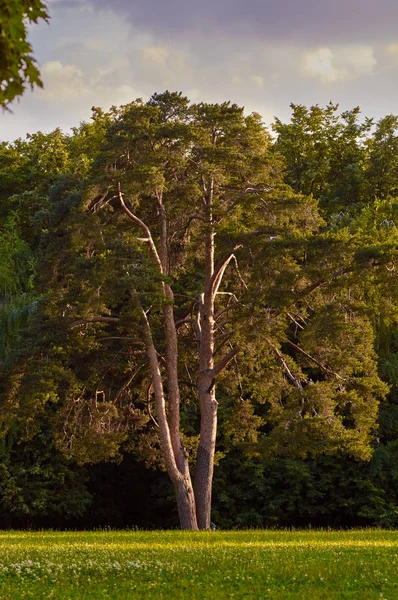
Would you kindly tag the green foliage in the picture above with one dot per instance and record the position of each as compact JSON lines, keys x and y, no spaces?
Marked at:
{"x":325,"y":154}
{"x":326,"y":491}
{"x":382,"y":166}
{"x":18,"y":68}
{"x":17,"y":271}
{"x":308,"y":405}
{"x":37,"y":482}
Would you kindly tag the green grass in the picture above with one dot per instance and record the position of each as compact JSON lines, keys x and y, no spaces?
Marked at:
{"x":308,"y":565}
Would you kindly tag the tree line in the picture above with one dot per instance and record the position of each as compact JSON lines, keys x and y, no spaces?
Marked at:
{"x":198,"y":319}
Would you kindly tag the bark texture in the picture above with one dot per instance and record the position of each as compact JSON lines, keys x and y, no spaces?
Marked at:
{"x":167,"y":410}
{"x":194,"y":502}
{"x":206,"y":381}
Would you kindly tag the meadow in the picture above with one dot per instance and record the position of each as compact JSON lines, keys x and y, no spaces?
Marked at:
{"x":355,"y":565}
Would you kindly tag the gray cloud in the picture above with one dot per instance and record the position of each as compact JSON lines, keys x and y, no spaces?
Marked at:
{"x":258,"y":53}
{"x":299,"y":21}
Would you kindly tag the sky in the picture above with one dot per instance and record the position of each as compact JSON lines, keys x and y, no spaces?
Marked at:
{"x":261,"y":54}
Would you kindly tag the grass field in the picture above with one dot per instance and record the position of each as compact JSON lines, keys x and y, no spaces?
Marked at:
{"x":355,"y":565}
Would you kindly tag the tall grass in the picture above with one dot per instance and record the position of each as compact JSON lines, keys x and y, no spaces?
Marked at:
{"x":355,"y":565}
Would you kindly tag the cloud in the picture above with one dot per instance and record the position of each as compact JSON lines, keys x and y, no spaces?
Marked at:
{"x":165,"y":65}
{"x":258,"y":80}
{"x":156,"y":54}
{"x":319,"y":63}
{"x":67,"y":83}
{"x":392,"y":49}
{"x":261,"y":54}
{"x":61,"y":82}
{"x":303,"y":21}
{"x":358,"y":60}
{"x":342,"y":64}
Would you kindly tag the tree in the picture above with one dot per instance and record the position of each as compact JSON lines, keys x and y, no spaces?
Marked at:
{"x":164,"y":154}
{"x":171,"y":180}
{"x":179,"y":274}
{"x":17,"y":66}
{"x":325,"y":154}
{"x":382,"y":166}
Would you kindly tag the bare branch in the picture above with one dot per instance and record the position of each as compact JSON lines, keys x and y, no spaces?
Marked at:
{"x":194,"y":218}
{"x":273,"y":232}
{"x":220,"y":366}
{"x":239,"y":273}
{"x":143,"y":226}
{"x":191,"y":383}
{"x":95,"y":320}
{"x":321,"y":282}
{"x":128,"y":382}
{"x":194,"y":323}
{"x":224,"y":310}
{"x":314,"y":286}
{"x":257,"y":189}
{"x":108,"y":368}
{"x":117,"y":337}
{"x":314,"y":360}
{"x":218,"y":274}
{"x":183,"y":321}
{"x":194,"y":300}
{"x":292,"y":417}
{"x":164,"y":242}
{"x":148,"y":404}
{"x":222,"y":336}
{"x":102,"y":202}
{"x":228,"y":294}
{"x":222,"y":339}
{"x":294,"y":321}
{"x":295,"y":380}
{"x":187,"y":225}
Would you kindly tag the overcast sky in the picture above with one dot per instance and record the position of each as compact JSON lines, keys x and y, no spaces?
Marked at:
{"x":262,"y":54}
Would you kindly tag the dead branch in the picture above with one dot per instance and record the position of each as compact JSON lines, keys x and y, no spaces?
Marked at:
{"x":221,"y":364}
{"x":190,"y":321}
{"x":295,"y":380}
{"x":316,"y":285}
{"x":227,"y":294}
{"x":129,"y":381}
{"x":324,"y":368}
{"x":224,"y":310}
{"x":222,"y":339}
{"x":243,"y":282}
{"x":148,"y":403}
{"x":189,"y":221}
{"x":143,"y":226}
{"x":218,"y":274}
{"x":294,"y":321}
{"x":183,"y":321}
{"x":102,"y":202}
{"x":99,"y":319}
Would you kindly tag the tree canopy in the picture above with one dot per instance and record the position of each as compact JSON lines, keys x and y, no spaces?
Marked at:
{"x":180,"y":287}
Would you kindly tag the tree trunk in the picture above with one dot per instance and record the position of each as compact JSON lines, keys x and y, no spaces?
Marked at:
{"x":181,"y":480}
{"x":205,"y":456}
{"x":194,"y":504}
{"x":183,"y":489}
{"x":185,"y":503}
{"x":206,"y":381}
{"x":208,"y":414}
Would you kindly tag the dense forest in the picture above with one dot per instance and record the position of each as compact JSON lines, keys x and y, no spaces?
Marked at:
{"x":168,"y":259}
